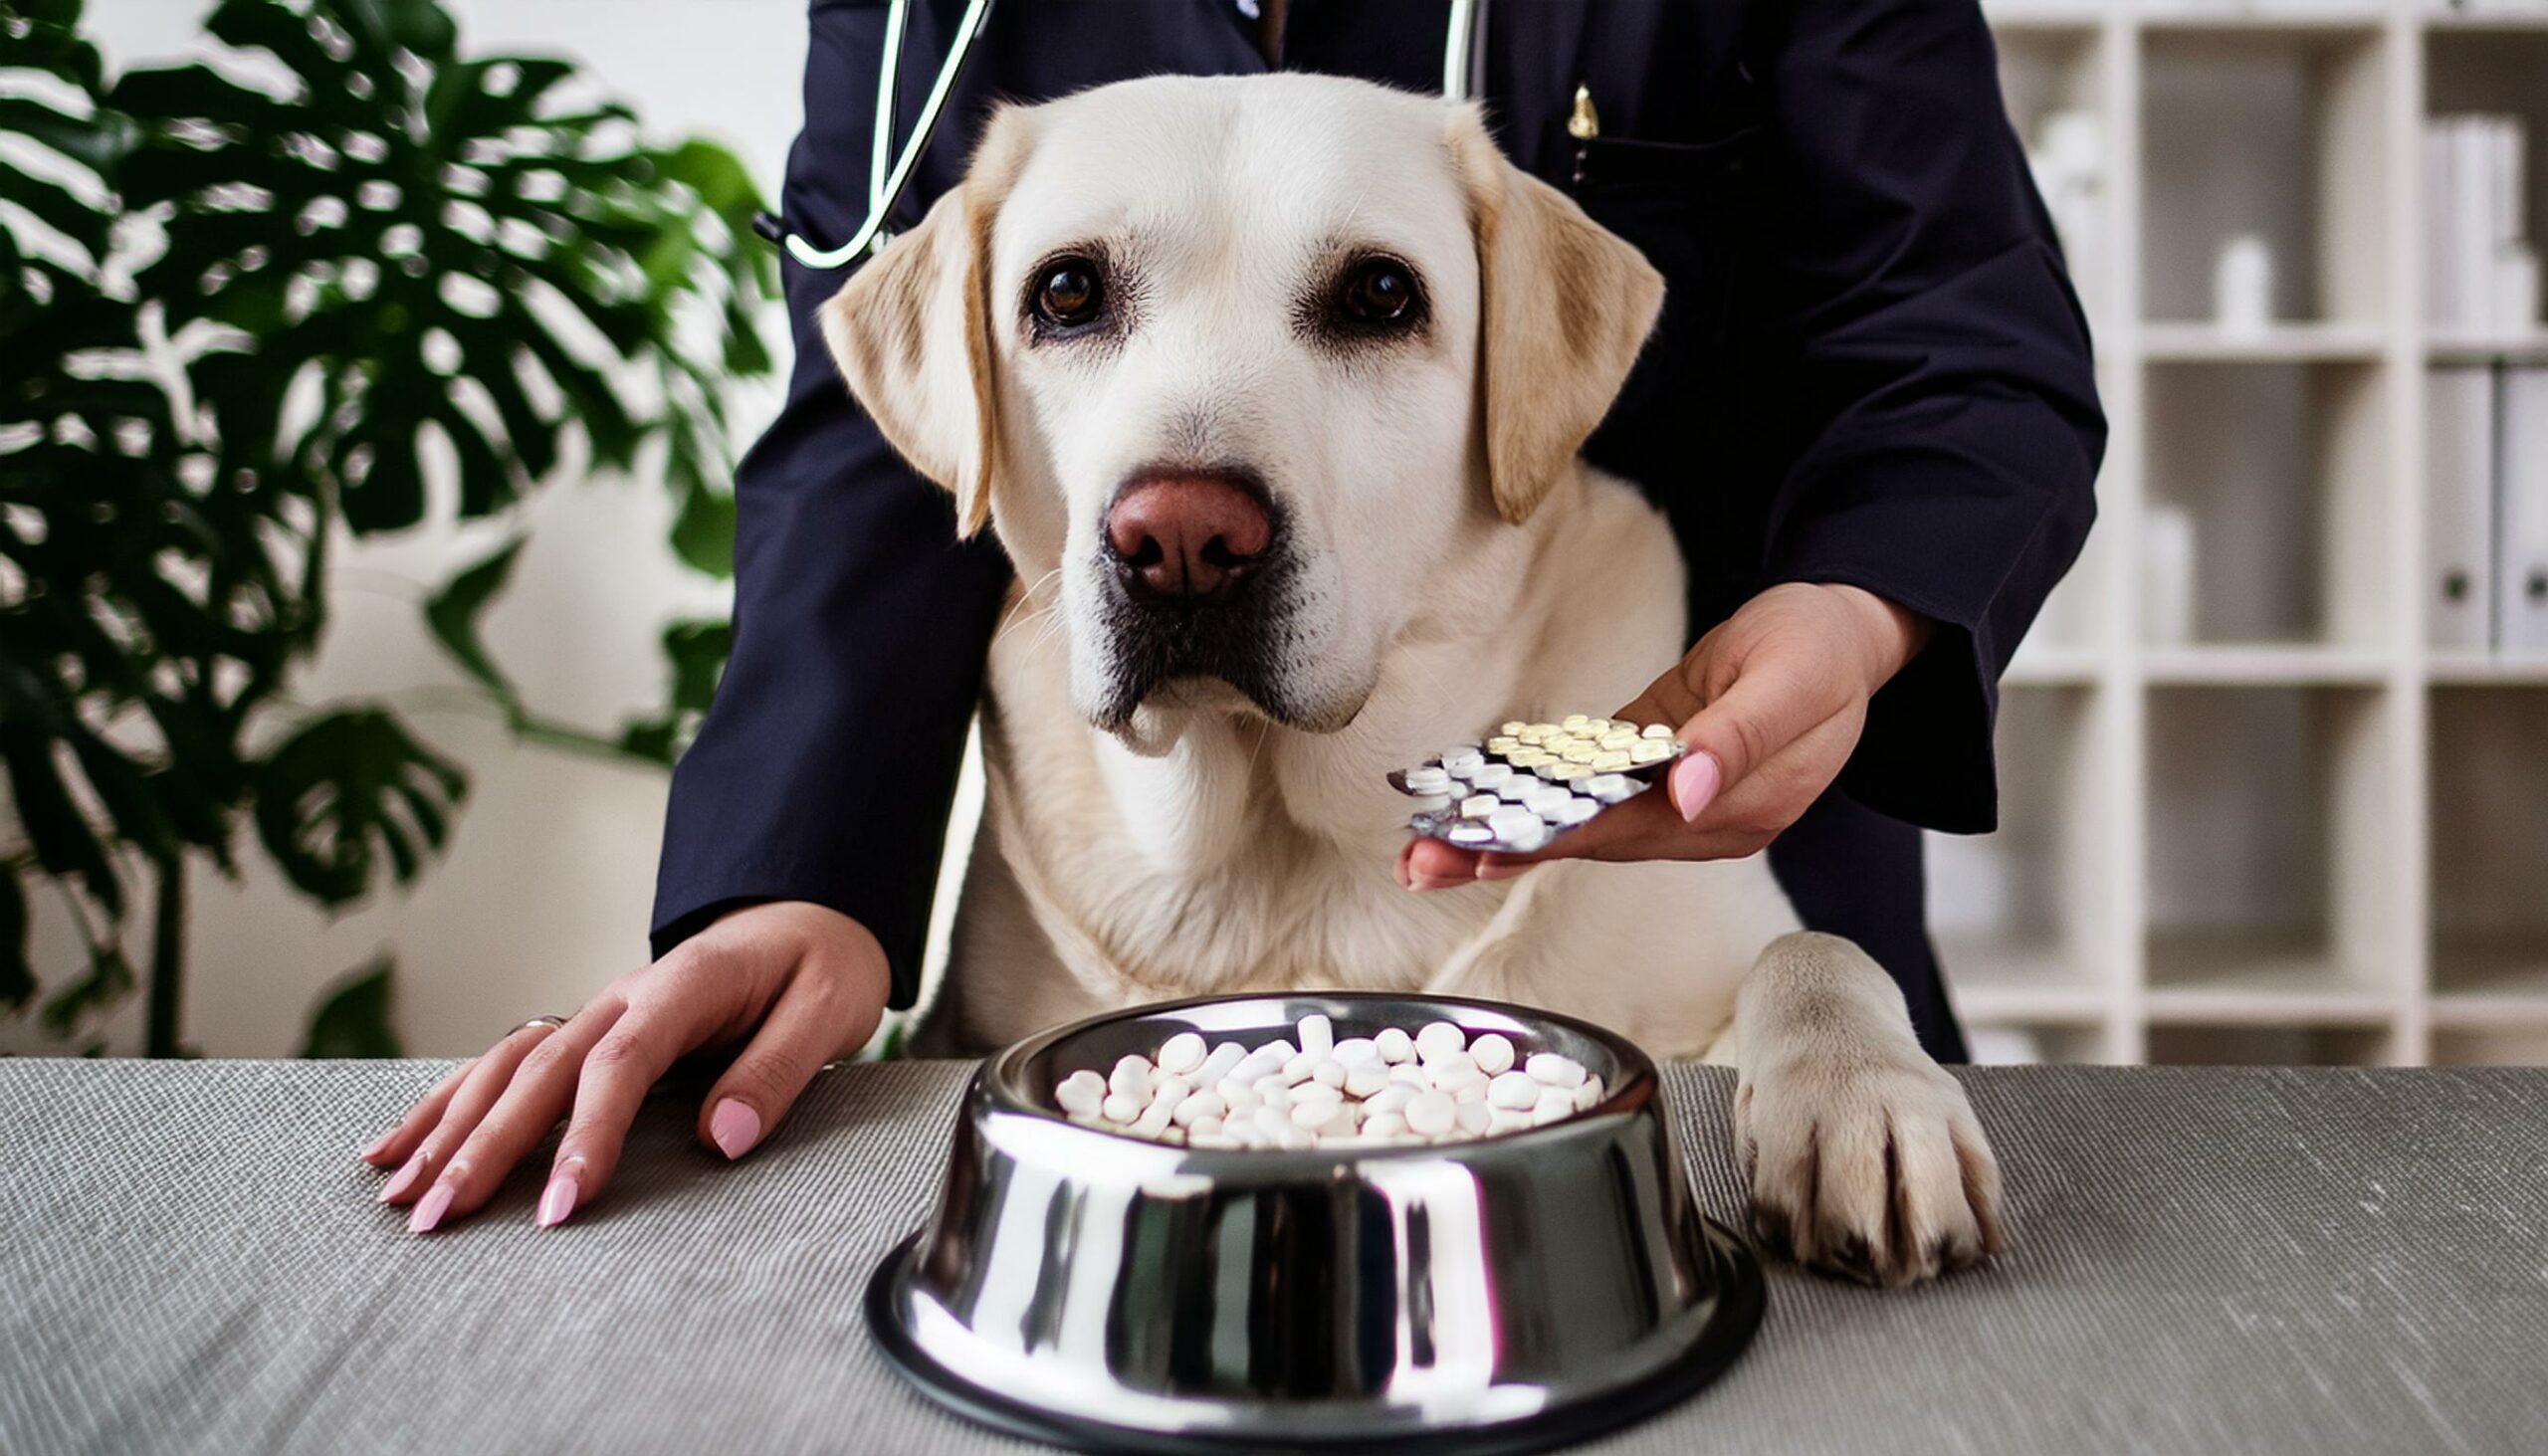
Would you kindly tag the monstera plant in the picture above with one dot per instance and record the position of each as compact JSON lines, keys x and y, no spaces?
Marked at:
{"x":240,"y":322}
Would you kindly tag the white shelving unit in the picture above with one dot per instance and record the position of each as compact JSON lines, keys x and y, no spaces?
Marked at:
{"x":2294,"y":833}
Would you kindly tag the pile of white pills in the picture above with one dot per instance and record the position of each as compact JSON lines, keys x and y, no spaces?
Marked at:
{"x":1392,"y":1087}
{"x":1530,"y":781}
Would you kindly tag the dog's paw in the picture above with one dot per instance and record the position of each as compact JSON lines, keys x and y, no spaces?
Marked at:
{"x":1873,"y":1168}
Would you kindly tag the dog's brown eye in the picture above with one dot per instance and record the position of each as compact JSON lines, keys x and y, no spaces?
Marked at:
{"x":1380,"y":291}
{"x":1069,"y":293}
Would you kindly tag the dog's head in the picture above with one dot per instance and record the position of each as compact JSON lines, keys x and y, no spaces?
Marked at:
{"x":1244,"y":366}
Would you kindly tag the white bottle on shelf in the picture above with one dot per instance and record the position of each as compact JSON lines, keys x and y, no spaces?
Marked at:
{"x":2242,"y":287}
{"x":2166,"y":582}
{"x":2070,"y":165}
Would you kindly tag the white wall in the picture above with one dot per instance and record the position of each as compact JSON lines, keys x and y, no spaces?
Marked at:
{"x":545,"y":893}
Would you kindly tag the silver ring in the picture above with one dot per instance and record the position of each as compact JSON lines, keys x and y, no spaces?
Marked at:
{"x":554,"y":1023}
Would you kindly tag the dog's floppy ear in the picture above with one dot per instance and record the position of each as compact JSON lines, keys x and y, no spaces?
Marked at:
{"x":1565,"y":305}
{"x":911,"y":332}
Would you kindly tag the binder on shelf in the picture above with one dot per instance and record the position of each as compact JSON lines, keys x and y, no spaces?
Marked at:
{"x":2521,"y":513}
{"x":2445,"y":309}
{"x":2460,"y":448}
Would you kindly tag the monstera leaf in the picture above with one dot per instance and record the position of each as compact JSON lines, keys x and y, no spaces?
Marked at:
{"x":40,"y":37}
{"x":17,"y":976}
{"x":452,"y":613}
{"x":143,"y":613}
{"x":462,"y":263}
{"x":334,"y":790}
{"x":454,"y":250}
{"x":696,"y":651}
{"x":353,"y":1018}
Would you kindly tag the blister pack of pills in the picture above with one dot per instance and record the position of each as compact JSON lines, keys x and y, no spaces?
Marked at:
{"x":1533,"y":781}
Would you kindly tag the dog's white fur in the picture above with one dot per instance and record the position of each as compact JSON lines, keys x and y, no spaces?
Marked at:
{"x":1457,"y":564}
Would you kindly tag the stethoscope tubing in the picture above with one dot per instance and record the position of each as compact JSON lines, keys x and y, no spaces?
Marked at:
{"x":888,"y":172}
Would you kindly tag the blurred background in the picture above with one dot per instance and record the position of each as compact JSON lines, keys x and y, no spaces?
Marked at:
{"x":420,"y":624}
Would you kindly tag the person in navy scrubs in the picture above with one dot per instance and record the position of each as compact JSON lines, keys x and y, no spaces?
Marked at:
{"x":1869,"y":412}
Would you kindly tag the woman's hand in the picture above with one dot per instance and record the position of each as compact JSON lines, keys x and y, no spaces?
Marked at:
{"x":793,"y":986}
{"x":1769,"y":703}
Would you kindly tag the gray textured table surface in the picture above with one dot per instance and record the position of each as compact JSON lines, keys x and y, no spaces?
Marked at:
{"x":2205,"y":1261}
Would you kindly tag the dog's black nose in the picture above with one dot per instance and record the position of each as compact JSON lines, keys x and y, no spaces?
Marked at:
{"x":1186,"y":538}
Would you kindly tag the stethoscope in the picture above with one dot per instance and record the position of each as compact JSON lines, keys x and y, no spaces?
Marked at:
{"x":889,"y":172}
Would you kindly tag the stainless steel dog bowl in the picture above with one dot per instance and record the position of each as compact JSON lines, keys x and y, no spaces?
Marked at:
{"x":1101,"y":1291}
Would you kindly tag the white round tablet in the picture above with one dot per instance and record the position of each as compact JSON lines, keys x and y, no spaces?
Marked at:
{"x":1318,"y":1035}
{"x":1555,"y":1070}
{"x":1081,"y":1094}
{"x":1182,"y":1052}
{"x":1432,"y":1114}
{"x":1543,"y":799}
{"x":1609,"y":788}
{"x":1131,"y":1078}
{"x":1439,"y":1039}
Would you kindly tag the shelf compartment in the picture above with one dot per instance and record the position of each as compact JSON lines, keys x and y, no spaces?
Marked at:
{"x":2241,"y":978}
{"x":2488,"y":842}
{"x":2263,"y":665}
{"x":2274,"y":882}
{"x":2000,"y":981}
{"x":2006,"y":1044}
{"x":2040,"y":664}
{"x":2471,"y":348}
{"x":2266,"y":128}
{"x":2053,"y":81}
{"x":2275,"y":477}
{"x":2499,"y":1046}
{"x":2477,"y":669}
{"x":2269,"y":19}
{"x":2494,"y":984}
{"x":2500,"y":70}
{"x":2274,"y":1046}
{"x":2021,"y":915}
{"x":2199,"y":343}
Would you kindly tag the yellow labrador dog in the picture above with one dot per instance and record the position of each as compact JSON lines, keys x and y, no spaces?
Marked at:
{"x":1273,"y":390}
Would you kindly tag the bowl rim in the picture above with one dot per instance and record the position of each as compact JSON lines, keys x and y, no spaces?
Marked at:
{"x":1001,"y":1078}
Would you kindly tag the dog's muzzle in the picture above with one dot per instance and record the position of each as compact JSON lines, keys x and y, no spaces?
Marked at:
{"x":1197,"y":567}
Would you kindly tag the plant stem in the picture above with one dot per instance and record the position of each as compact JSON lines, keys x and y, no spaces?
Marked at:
{"x":577,"y":740}
{"x":167,"y":957}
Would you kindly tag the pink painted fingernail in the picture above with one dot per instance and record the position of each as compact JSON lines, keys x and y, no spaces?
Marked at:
{"x":430,"y":1210}
{"x":558,"y":1200}
{"x":733,"y":1127}
{"x":1694,"y":782}
{"x":379,"y":1145}
{"x":405,"y":1179}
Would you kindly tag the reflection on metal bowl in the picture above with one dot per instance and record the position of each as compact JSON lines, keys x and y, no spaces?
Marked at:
{"x":1521,"y":1291}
